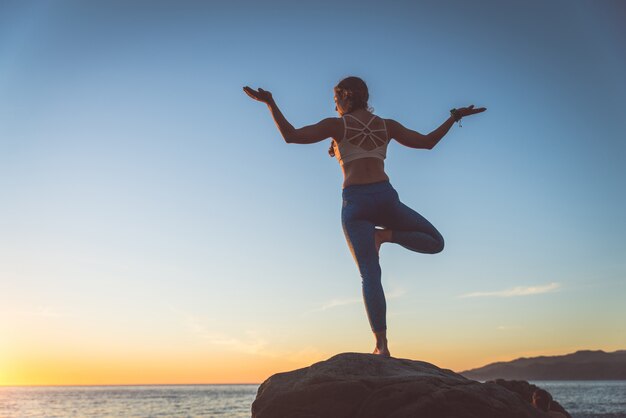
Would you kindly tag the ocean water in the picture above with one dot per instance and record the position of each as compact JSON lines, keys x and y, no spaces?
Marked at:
{"x":127,"y":401}
{"x":586,"y":399}
{"x":589,"y":399}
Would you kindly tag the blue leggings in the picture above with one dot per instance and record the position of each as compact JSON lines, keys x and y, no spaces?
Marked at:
{"x":366,"y":206}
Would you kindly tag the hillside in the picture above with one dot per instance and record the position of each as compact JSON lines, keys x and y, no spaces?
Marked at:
{"x":581,"y":365}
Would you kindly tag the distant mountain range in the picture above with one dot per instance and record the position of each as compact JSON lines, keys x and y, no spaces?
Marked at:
{"x":581,"y":365}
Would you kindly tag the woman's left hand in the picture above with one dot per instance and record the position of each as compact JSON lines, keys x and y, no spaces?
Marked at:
{"x":466,"y":111}
{"x":259,"y":95}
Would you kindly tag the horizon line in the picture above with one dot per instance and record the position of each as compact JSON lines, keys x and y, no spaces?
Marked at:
{"x":129,"y":384}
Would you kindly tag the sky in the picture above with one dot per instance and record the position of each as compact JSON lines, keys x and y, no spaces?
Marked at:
{"x":155,"y":227}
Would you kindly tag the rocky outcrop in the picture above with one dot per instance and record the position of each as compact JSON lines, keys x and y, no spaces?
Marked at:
{"x":525,"y":390}
{"x":352,"y":385}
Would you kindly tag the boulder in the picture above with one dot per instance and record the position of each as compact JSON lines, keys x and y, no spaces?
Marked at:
{"x":525,"y":390}
{"x":353,"y":385}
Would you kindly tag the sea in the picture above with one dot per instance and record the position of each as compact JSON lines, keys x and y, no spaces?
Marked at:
{"x":582,"y":399}
{"x":589,"y":399}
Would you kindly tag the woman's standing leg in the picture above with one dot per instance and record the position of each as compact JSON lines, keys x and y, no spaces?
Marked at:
{"x":359,"y":232}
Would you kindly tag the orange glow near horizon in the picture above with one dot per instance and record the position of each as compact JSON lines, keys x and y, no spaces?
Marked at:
{"x":68,"y":371}
{"x":190,"y":368}
{"x":65,"y":351}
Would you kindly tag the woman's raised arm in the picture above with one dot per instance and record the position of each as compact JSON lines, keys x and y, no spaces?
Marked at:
{"x":326,"y":128}
{"x":405,"y":136}
{"x":413,"y":139}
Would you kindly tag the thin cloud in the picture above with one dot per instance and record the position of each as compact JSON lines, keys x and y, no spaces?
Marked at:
{"x":251,"y":345}
{"x":338,"y":302}
{"x":43,"y":312}
{"x":198,"y":326}
{"x":394,"y":294}
{"x":516,"y":291}
{"x":506,"y":328}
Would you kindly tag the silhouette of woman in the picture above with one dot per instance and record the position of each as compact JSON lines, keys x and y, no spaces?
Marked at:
{"x":372,"y":213}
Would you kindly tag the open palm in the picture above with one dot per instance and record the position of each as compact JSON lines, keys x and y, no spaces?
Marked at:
{"x":259,"y":95}
{"x":466,"y":111}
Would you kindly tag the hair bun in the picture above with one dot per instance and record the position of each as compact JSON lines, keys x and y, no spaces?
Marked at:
{"x":355,"y":90}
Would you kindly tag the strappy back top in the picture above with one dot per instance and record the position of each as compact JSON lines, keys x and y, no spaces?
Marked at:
{"x":361,"y":142}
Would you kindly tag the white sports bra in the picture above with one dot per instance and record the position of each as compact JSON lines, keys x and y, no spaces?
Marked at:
{"x":350,"y":149}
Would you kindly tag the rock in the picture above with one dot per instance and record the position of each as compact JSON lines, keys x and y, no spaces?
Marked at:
{"x":525,"y":390}
{"x":353,"y":385}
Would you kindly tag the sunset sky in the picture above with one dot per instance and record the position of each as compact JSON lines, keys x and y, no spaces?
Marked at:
{"x":155,"y":228}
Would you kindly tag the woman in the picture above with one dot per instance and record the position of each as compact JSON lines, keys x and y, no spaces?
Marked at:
{"x":372,"y":214}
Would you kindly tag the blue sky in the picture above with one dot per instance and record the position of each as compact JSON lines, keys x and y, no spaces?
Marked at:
{"x":146,"y":200}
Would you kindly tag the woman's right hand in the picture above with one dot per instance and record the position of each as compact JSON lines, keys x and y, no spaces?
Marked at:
{"x":258,"y":95}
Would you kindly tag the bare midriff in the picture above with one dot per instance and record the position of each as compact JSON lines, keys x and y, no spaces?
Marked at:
{"x":364,"y":171}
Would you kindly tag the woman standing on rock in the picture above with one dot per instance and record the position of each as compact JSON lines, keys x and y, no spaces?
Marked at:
{"x":360,"y":141}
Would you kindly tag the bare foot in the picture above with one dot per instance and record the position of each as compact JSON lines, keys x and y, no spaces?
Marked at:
{"x":382,"y":352}
{"x":381,"y":344}
{"x":378,"y":240}
{"x":380,"y":236}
